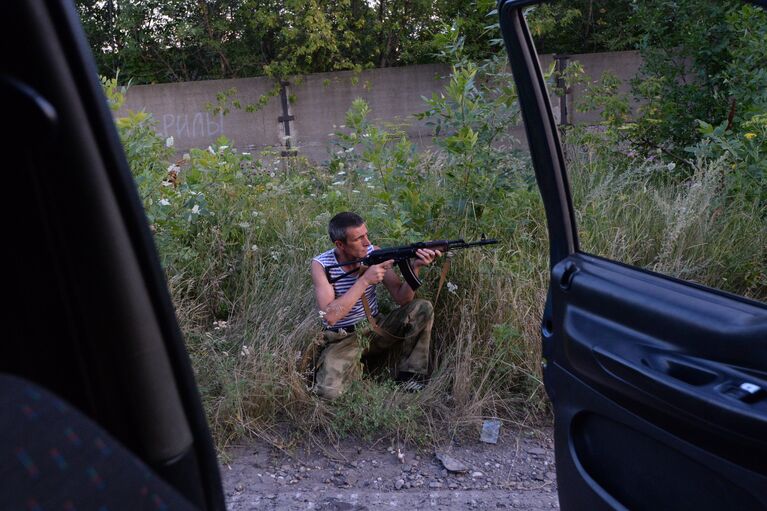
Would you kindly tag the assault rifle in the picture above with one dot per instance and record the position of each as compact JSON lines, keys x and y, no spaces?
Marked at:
{"x":402,"y":256}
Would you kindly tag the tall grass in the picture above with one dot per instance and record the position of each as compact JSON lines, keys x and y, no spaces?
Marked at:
{"x":236,"y":236}
{"x":632,"y":211}
{"x":253,"y":371}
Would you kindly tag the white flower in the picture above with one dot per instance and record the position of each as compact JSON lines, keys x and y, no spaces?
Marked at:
{"x":164,"y":202}
{"x":245,"y":351}
{"x":186,"y":156}
{"x":245,"y":154}
{"x":173,"y":169}
{"x":671,"y":166}
{"x":167,"y":183}
{"x":254,"y":248}
{"x":275,"y":255}
{"x":355,"y":191}
{"x":219,"y":325}
{"x":335,"y":183}
{"x":169,"y":142}
{"x":222,"y":149}
{"x":322,"y":313}
{"x":350,"y":149}
{"x":244,"y":225}
{"x":341,"y":173}
{"x":452,"y":288}
{"x":255,"y":213}
{"x":196,"y":209}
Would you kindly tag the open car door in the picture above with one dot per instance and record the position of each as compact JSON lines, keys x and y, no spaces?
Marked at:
{"x":658,"y":385}
{"x":88,"y":316}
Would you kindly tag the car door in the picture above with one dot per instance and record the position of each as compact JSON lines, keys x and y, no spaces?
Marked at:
{"x":89,"y":316}
{"x":657,"y":384}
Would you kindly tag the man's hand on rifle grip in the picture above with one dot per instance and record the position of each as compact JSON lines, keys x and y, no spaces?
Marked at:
{"x":375,"y":273}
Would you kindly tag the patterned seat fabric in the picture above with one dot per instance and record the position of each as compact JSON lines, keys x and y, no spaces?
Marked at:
{"x":52,"y":457}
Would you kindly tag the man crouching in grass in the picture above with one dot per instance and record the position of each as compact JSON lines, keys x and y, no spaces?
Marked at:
{"x":342,"y":311}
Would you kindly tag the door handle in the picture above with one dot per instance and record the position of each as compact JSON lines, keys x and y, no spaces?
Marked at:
{"x":702,"y":392}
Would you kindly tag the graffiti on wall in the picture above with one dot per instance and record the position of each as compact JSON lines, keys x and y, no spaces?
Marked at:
{"x":194,"y":125}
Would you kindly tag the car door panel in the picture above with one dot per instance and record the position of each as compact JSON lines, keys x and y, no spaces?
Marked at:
{"x":658,"y":385}
{"x":91,"y":318}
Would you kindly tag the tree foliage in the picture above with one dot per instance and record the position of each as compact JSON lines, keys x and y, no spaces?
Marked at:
{"x":180,"y":40}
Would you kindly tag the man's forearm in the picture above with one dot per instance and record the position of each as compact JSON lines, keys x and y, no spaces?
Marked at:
{"x":340,"y":307}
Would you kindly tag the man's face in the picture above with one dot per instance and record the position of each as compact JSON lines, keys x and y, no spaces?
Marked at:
{"x":357,"y":242}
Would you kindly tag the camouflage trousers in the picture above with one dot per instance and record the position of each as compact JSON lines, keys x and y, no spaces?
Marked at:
{"x":340,"y":364}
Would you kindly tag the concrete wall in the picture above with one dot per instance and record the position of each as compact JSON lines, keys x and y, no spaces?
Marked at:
{"x":321,"y":101}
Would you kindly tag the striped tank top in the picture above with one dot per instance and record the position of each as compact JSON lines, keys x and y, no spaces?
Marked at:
{"x":341,"y":286}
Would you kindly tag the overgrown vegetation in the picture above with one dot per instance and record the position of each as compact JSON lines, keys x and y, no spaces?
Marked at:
{"x":236,"y":233}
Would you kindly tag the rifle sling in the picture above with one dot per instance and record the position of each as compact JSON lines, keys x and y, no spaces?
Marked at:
{"x":443,"y":275}
{"x":374,"y":325}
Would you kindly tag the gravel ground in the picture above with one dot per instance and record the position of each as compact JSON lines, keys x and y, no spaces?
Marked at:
{"x":516,"y":473}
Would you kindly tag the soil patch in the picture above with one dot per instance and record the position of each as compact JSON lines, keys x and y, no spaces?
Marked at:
{"x":516,"y":473}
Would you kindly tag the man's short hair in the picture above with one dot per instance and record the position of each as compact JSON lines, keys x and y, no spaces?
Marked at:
{"x":342,"y":221}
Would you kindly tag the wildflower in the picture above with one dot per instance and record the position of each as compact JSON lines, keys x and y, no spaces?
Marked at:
{"x":169,"y":142}
{"x":164,"y":202}
{"x":275,"y":255}
{"x":244,"y":225}
{"x":749,"y":135}
{"x":196,"y":209}
{"x":671,"y":166}
{"x":350,"y":149}
{"x":452,"y":288}
{"x":245,"y":351}
{"x":223,"y":148}
{"x":355,"y":191}
{"x":219,"y":325}
{"x":245,"y":154}
{"x":254,"y":248}
{"x":173,"y":169}
{"x":335,"y":183}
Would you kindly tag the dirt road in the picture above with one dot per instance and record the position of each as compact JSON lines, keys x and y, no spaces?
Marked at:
{"x":516,"y":473}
